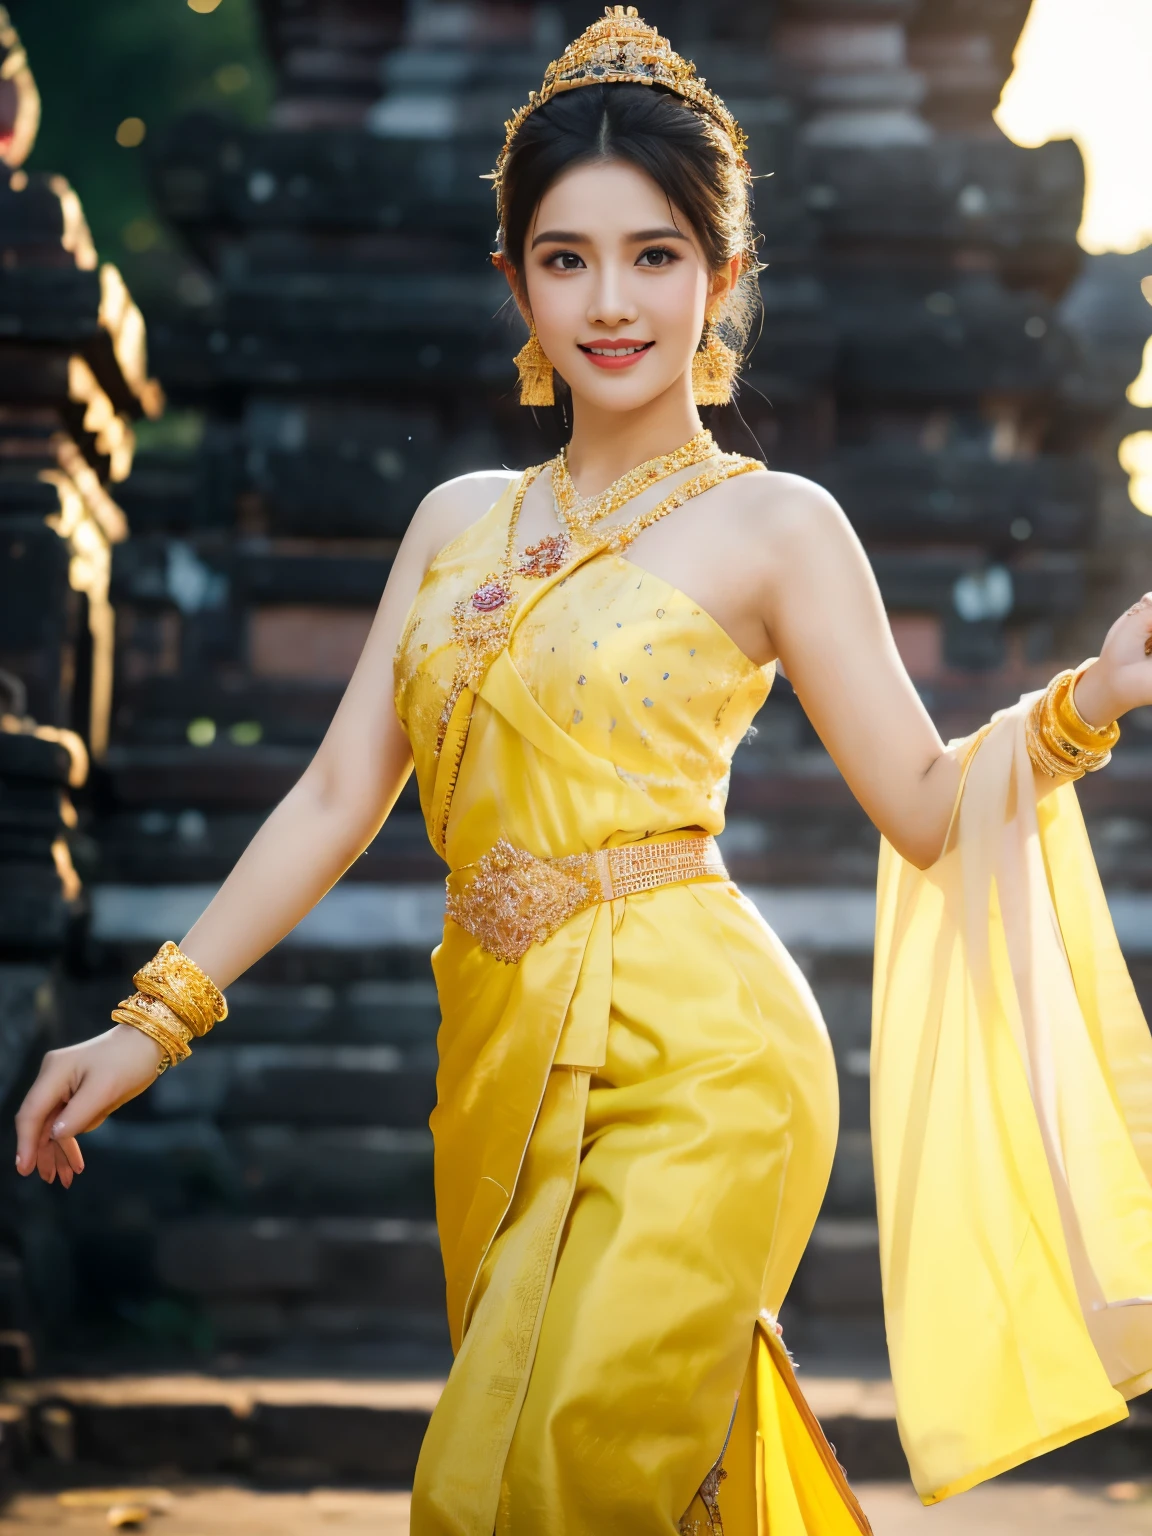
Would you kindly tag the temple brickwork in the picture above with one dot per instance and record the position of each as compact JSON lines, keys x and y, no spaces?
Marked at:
{"x":73,"y":380}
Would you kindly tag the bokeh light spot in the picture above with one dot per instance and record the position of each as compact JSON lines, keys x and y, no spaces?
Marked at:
{"x":201,"y":732}
{"x":131,"y":133}
{"x":141,"y":234}
{"x":193,"y":288}
{"x":231,"y":78}
{"x":203,"y":7}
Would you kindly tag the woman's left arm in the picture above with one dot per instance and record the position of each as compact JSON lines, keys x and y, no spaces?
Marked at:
{"x":823,"y":611}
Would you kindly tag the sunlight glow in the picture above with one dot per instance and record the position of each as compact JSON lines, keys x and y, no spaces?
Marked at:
{"x":1140,"y":390}
{"x":1083,"y":71}
{"x":1136,"y":460}
{"x":1136,"y":450}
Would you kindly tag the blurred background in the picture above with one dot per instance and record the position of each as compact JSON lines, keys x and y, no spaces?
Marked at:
{"x":247,"y":320}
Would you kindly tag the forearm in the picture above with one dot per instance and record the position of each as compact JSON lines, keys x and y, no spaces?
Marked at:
{"x":922,"y":823}
{"x":916,"y":821}
{"x":921,"y":818}
{"x":299,"y":853}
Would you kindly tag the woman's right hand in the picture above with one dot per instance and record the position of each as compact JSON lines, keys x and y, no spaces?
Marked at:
{"x":76,"y":1090}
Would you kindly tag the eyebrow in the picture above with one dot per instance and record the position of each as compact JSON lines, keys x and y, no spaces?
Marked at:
{"x":571,"y":237}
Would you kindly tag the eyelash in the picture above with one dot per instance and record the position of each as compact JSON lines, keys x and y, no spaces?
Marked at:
{"x":653,"y":250}
{"x":659,"y":250}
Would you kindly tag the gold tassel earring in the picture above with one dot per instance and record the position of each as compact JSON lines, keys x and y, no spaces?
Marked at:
{"x":713,"y":369}
{"x":535,"y":373}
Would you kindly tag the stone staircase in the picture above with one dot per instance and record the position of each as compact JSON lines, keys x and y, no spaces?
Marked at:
{"x":275,"y":1201}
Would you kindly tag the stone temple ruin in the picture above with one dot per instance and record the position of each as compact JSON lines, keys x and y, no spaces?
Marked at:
{"x":934,"y":350}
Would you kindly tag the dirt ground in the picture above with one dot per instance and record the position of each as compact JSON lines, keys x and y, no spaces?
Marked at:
{"x":1003,"y":1509}
{"x":1007,"y":1508}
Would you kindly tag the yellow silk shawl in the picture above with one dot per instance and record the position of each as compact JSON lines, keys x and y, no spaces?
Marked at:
{"x":634,"y":1124}
{"x":1011,"y":1132}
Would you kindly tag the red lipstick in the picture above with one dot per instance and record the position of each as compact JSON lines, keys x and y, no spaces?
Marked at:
{"x":616,"y":353}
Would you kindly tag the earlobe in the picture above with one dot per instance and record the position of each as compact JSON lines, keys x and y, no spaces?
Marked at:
{"x":724,"y":282}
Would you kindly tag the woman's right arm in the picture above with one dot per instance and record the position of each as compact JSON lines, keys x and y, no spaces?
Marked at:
{"x":823,"y":609}
{"x":320,"y":827}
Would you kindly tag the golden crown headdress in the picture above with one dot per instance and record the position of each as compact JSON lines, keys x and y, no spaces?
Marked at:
{"x":621,"y":49}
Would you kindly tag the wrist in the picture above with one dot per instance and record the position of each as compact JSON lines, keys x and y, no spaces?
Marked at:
{"x":1095,"y":697}
{"x":147,"y":1047}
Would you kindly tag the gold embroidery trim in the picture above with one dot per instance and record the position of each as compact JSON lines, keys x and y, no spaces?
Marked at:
{"x":819,"y":1440}
{"x":708,"y":1494}
{"x":482,"y":620}
{"x":511,"y":899}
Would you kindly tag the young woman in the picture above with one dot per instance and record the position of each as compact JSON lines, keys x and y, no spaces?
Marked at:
{"x":636,"y":1099}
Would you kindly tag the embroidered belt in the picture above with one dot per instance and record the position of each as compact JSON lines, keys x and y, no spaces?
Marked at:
{"x":510,"y":899}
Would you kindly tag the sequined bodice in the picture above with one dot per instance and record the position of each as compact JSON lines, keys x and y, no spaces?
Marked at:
{"x":639,"y":674}
{"x":627,"y":666}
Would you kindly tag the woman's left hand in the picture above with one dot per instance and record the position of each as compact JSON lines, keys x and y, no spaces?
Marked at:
{"x":1121,"y":679}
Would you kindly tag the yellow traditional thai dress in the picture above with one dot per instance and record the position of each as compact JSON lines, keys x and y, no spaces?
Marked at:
{"x":636,"y":1117}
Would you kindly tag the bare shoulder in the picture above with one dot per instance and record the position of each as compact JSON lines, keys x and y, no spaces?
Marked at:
{"x":453,"y":506}
{"x":781,"y":513}
{"x":784,"y":503}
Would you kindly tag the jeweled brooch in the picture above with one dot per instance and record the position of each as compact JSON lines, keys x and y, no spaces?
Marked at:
{"x":489,"y":596}
{"x":545,"y":557}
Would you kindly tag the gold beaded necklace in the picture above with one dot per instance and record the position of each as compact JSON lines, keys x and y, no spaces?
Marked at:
{"x":580,"y":514}
{"x":615,"y":540}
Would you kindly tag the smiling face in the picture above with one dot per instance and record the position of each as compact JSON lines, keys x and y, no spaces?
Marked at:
{"x":617,"y":285}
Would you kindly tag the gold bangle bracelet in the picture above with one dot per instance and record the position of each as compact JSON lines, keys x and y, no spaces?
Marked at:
{"x":1098,"y":738}
{"x":1055,"y":767}
{"x":179,"y":982}
{"x":156,"y":1020}
{"x":1072,"y":758}
{"x":1057,"y":737}
{"x":1060,"y":742}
